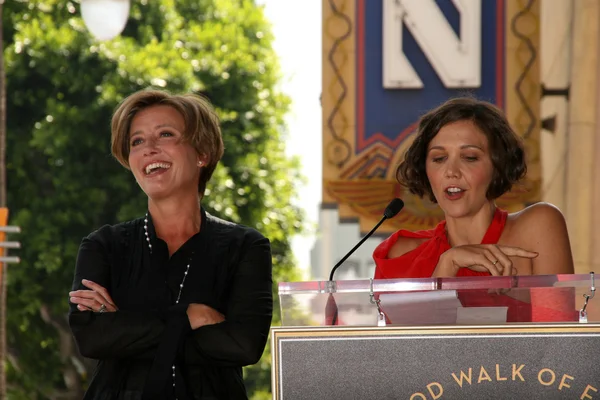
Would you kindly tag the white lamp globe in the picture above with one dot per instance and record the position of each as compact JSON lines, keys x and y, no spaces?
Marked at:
{"x":105,"y":19}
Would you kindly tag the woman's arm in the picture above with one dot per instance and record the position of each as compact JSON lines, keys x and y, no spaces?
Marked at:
{"x":240,"y":339}
{"x":119,"y":334}
{"x":542,"y":228}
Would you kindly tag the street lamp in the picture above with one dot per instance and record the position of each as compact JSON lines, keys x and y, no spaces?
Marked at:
{"x":105,"y":19}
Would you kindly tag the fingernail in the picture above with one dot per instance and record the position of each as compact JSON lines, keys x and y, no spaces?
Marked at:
{"x":84,"y":281}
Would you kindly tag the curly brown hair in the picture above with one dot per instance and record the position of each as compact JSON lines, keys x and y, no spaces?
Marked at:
{"x":202,"y":130}
{"x":505,"y":146}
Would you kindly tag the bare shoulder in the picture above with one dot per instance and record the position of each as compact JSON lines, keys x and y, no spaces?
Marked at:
{"x":542,"y":228}
{"x":403,"y":245}
{"x":538,"y":217}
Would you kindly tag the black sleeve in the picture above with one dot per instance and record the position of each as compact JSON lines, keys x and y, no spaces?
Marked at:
{"x":239,"y":340}
{"x":120,"y":334}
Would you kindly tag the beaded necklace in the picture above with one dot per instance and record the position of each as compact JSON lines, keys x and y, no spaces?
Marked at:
{"x":187,"y":268}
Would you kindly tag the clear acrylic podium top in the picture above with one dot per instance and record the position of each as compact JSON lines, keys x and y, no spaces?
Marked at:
{"x":441,"y":301}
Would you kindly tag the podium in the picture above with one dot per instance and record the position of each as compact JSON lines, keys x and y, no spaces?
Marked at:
{"x":518,"y":337}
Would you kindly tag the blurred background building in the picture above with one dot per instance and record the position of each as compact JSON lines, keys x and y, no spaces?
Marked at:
{"x":387,"y":62}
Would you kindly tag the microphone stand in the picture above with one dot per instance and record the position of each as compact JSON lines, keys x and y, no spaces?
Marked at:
{"x":331,"y":309}
{"x":368,"y":235}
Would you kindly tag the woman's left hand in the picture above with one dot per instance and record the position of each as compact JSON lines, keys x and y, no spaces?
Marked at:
{"x":96,"y":299}
{"x":201,"y":315}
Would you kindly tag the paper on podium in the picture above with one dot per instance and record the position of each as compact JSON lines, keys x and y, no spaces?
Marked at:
{"x":437,"y":307}
{"x":481,"y":315}
{"x":440,"y":307}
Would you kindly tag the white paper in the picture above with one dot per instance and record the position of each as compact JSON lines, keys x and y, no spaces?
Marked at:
{"x":481,"y":315}
{"x":437,"y":307}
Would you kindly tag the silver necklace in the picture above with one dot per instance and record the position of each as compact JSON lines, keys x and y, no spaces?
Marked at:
{"x":187,"y":268}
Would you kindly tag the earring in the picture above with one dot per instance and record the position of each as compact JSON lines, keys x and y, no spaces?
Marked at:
{"x":200,"y":163}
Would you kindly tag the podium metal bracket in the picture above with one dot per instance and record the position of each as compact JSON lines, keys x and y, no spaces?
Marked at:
{"x":331,"y":287}
{"x":583,"y":312}
{"x":377,"y":302}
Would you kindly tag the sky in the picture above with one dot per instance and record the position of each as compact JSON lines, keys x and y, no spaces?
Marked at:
{"x":297,"y":30}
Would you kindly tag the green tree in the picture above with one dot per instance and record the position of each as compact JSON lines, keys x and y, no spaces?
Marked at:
{"x":62,"y":182}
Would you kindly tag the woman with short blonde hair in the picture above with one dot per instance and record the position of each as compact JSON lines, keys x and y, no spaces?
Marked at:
{"x":172,"y":304}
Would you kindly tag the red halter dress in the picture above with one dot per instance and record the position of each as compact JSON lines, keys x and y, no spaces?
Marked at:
{"x":546,"y":304}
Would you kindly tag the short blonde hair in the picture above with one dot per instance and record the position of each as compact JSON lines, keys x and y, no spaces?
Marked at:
{"x":202,"y":130}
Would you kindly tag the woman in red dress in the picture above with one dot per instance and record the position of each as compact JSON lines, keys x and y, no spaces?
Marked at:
{"x":465,"y":155}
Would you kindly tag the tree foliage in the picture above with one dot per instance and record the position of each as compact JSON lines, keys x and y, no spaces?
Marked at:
{"x":62,"y":87}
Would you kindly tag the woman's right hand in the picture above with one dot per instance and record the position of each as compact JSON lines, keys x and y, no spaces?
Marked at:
{"x":201,"y":314}
{"x":96,"y":299}
{"x":490,"y":258}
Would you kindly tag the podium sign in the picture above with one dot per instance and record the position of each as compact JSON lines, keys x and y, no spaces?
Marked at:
{"x":541,"y":361}
{"x":511,"y":337}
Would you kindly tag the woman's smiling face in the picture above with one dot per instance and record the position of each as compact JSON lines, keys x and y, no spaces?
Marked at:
{"x":162,"y":162}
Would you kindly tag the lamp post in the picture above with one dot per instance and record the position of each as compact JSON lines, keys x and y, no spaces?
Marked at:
{"x":105,"y":19}
{"x":2,"y":204}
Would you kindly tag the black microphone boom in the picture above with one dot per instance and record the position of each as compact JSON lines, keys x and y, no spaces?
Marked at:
{"x":390,"y":212}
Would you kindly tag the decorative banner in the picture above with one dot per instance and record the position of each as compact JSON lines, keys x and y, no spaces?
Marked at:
{"x":488,"y":362}
{"x":387,"y":63}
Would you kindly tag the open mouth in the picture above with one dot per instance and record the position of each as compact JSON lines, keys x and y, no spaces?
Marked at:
{"x":454,"y":191}
{"x":156,"y":167}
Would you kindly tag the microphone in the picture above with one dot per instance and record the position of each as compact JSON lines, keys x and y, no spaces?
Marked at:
{"x":331,"y":308}
{"x":390,"y":212}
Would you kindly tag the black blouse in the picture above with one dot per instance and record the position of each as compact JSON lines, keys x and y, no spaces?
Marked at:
{"x":230,"y":271}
